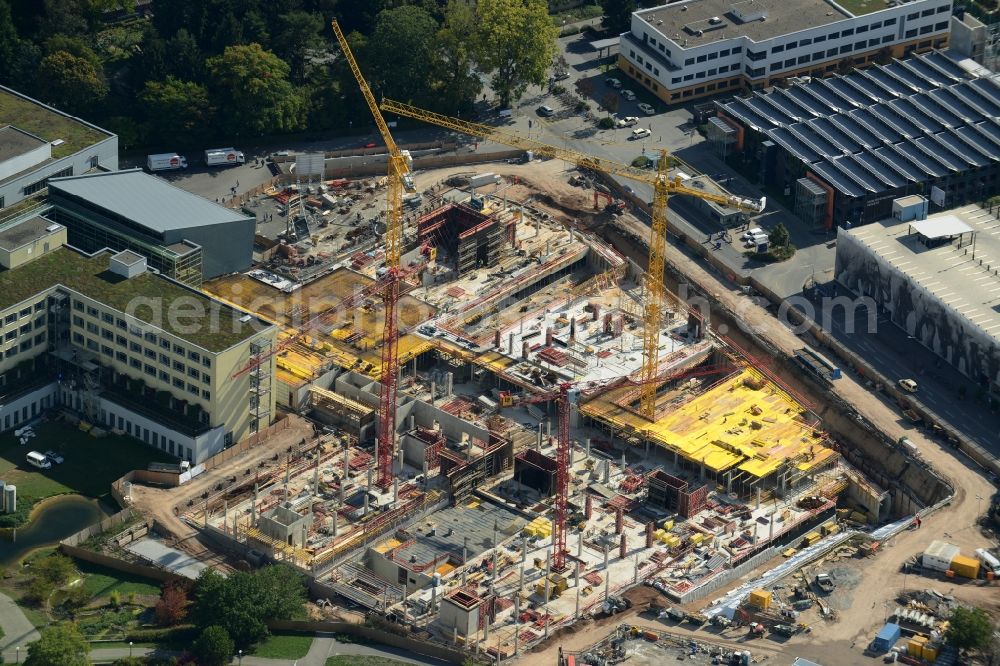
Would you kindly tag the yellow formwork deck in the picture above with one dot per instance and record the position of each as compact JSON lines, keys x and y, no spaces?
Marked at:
{"x":732,"y":425}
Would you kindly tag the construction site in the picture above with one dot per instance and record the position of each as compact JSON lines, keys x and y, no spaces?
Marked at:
{"x":517,"y":426}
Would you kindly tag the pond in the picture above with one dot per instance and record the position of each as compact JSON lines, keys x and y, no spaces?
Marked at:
{"x":51,"y":521}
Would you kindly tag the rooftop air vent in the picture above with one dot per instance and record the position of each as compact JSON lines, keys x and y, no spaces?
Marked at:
{"x":715,"y":20}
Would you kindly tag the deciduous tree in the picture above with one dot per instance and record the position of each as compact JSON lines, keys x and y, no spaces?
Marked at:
{"x":456,"y":82}
{"x":61,"y":644}
{"x":252,"y":92}
{"x":70,"y":82}
{"x":400,"y":53}
{"x":618,"y":15}
{"x":177,"y":109}
{"x":171,"y":609}
{"x":214,"y":647}
{"x":969,"y":628}
{"x":515,"y":42}
{"x":298,"y":33}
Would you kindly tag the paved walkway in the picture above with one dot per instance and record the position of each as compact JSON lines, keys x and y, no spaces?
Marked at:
{"x":17,"y":629}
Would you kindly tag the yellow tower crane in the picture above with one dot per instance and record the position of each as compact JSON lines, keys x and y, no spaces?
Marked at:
{"x":399,"y":180}
{"x":663,"y":187}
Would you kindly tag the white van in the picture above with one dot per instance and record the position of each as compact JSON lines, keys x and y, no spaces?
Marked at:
{"x":38,"y":460}
{"x":756,"y":231}
{"x":506,"y":114}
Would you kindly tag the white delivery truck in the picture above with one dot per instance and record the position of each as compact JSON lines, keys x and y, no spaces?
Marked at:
{"x":224,"y":157}
{"x":166,"y":162}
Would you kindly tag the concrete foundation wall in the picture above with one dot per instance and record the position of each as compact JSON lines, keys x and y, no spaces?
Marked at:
{"x":922,"y":314}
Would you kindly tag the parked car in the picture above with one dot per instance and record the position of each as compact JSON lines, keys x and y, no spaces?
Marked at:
{"x":640,"y":133}
{"x":629,"y":95}
{"x":560,"y":75}
{"x":647,"y":109}
{"x":54,"y":457}
{"x":627,"y":121}
{"x":908,"y":385}
{"x":546,"y":111}
{"x":614,"y":83}
{"x":756,"y":231}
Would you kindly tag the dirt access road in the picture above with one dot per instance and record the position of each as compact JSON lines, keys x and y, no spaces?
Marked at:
{"x":159,"y":502}
{"x":839,"y":642}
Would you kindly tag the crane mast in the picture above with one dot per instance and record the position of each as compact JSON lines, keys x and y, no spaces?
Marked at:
{"x":397,"y":182}
{"x":663,"y":187}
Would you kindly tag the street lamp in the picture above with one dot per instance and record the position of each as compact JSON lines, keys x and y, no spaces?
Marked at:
{"x":18,"y":649}
{"x":130,"y":649}
{"x":979,"y":506}
{"x":241,"y":657}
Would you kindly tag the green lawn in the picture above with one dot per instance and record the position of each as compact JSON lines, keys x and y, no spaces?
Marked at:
{"x":101,"y":582}
{"x":91,"y":464}
{"x":862,"y":7}
{"x":284,"y":646}
{"x":363,"y":660}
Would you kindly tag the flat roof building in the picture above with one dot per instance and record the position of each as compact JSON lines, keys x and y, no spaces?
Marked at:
{"x":920,"y":125}
{"x":38,"y":142}
{"x":697,"y":48}
{"x":124,"y":347}
{"x":936,"y":278}
{"x":182,"y":235}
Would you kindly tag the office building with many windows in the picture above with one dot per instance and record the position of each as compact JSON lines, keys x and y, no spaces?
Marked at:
{"x":126,"y":348}
{"x":697,"y":48}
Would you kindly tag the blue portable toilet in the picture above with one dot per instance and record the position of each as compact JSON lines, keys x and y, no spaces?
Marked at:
{"x":887,"y":637}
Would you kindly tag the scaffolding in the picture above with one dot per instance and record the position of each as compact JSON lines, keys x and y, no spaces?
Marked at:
{"x":260,"y":384}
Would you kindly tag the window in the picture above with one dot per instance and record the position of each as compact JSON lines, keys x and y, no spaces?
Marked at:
{"x":699,"y":75}
{"x":803,"y":59}
{"x":834,"y":35}
{"x":790,"y":62}
{"x":39,"y":323}
{"x":193,"y":389}
{"x":755,"y":72}
{"x":107,"y":318}
{"x":164,"y":376}
{"x":846,"y":48}
{"x":911,"y":33}
{"x":928,"y":12}
{"x":943,"y":25}
{"x":149,"y":337}
{"x":756,"y":55}
{"x":888,"y":22}
{"x":135,"y":330}
{"x":91,"y":327}
{"x":778,"y":49}
{"x":165,"y":344}
{"x":876,"y":25}
{"x":873,"y":42}
{"x":631,"y":53}
{"x":942,"y":9}
{"x":120,"y":323}
{"x":792,"y":45}
{"x":107,"y":351}
{"x":26,"y":345}
{"x":862,"y":28}
{"x":179,"y":350}
{"x":723,"y":53}
{"x":860,"y":45}
{"x":120,"y":340}
{"x":134,"y":346}
{"x":178,"y":366}
{"x":639,"y":59}
{"x":713,"y":72}
{"x":149,"y":353}
{"x":689,"y":61}
{"x":120,"y":356}
{"x":92,"y":345}
{"x":77,"y":320}
{"x":92,"y":311}
{"x":910,"y":17}
{"x":847,"y":33}
{"x":676,"y":79}
{"x":737,"y":49}
{"x":775,"y":66}
{"x":656,"y":71}
{"x":26,"y":312}
{"x":724,"y":68}
{"x":688,"y":77}
{"x":149,"y":370}
{"x":40,"y":338}
{"x":820,"y":38}
{"x":165,"y":360}
{"x":13,"y":334}
{"x":206,"y":378}
{"x":702,"y":58}
{"x":77,"y":305}
{"x":179,"y":383}
{"x":805,"y":42}
{"x":927,"y":28}
{"x":134,"y":362}
{"x":206,"y":361}
{"x":649,"y":67}
{"x":193,"y":372}
{"x":207,"y":395}
{"x":887,"y":39}
{"x":713,"y":56}
{"x":107,"y":335}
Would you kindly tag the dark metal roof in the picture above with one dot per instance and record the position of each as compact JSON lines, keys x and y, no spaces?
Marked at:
{"x":877,"y":129}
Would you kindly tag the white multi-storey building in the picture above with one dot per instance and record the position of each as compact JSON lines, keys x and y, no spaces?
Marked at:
{"x":698,"y":48}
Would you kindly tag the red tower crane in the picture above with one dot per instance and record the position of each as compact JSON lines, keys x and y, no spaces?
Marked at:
{"x":564,"y":396}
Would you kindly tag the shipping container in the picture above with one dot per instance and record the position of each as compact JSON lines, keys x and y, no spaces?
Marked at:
{"x":760,"y":599}
{"x":938,"y":555}
{"x":967,"y":567}
{"x":886,"y":638}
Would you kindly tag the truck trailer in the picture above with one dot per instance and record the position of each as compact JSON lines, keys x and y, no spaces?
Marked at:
{"x":224,"y":157}
{"x":166,"y":162}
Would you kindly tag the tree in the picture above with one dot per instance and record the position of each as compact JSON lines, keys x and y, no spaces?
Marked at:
{"x":618,"y":15}
{"x":214,"y":647}
{"x":56,"y":568}
{"x":516,"y":41}
{"x":252,"y":91}
{"x":61,"y":644}
{"x":70,"y":82}
{"x":171,"y":609}
{"x":455,"y":81}
{"x":38,"y":592}
{"x":779,"y":235}
{"x":298,"y":33}
{"x":969,"y":628}
{"x":178,"y":109}
{"x":243,"y":602}
{"x":9,"y":42}
{"x":400,"y":53}
{"x":186,"y":60}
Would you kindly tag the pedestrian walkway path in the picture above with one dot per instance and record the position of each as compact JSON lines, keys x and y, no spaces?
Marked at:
{"x":17,"y":629}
